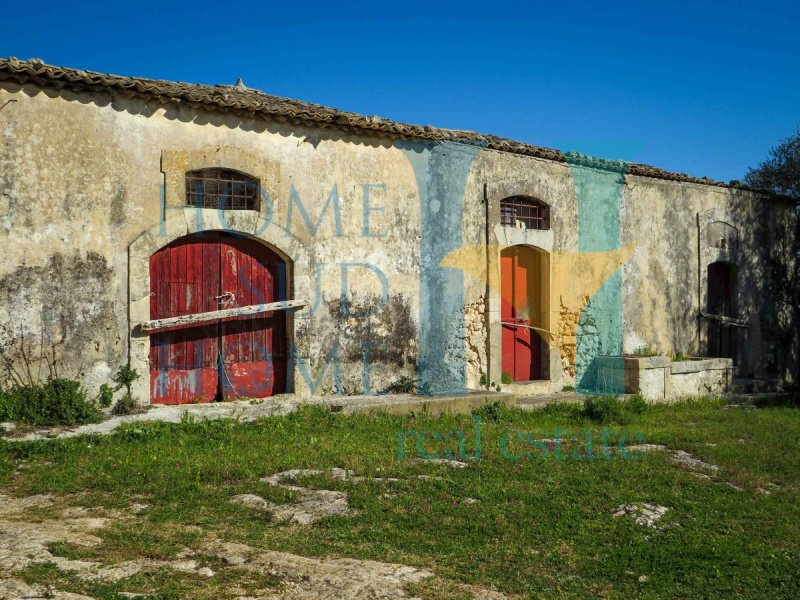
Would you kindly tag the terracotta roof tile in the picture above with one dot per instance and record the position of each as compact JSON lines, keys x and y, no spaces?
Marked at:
{"x":238,"y":98}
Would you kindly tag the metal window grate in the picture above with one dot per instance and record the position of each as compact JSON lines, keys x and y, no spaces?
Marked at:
{"x":534,"y":214}
{"x":223,"y":189}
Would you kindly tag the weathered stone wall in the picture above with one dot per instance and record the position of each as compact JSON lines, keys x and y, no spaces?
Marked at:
{"x":83,"y":179}
{"x":664,"y":282}
{"x":90,"y":186}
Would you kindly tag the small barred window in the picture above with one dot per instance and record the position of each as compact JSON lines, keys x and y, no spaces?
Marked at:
{"x":524,"y":212}
{"x":223,"y":189}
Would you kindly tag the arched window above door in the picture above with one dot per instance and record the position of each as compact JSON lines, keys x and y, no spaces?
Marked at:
{"x":524,"y":211}
{"x":224,"y":189}
{"x":721,"y":235}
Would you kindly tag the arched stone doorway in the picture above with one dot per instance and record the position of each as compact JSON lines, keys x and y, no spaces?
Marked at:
{"x":524,"y":312}
{"x":181,"y":222}
{"x":235,"y":357}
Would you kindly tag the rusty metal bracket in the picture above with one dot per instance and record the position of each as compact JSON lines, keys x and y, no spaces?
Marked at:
{"x":723,"y":319}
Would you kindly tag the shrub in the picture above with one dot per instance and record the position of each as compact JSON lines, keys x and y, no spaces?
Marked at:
{"x":569,"y":410}
{"x":604,"y":409}
{"x":124,"y":406}
{"x":57,"y":402}
{"x":106,"y":395}
{"x":636,"y":404}
{"x":124,"y":377}
{"x":7,"y":412}
{"x":494,"y":412}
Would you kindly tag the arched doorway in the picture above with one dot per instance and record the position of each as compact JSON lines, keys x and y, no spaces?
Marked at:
{"x":721,"y":302}
{"x":235,"y":357}
{"x":524,"y":306}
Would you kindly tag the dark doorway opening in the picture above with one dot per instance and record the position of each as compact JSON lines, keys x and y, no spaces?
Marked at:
{"x":721,"y":302}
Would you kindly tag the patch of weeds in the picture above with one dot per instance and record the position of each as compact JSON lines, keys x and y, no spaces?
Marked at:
{"x":44,"y":573}
{"x":247,"y":582}
{"x":124,"y":541}
{"x":444,"y":589}
{"x":495,"y":412}
{"x":124,"y":377}
{"x":50,"y":577}
{"x":342,"y":390}
{"x":680,"y":357}
{"x":143,"y":539}
{"x":490,"y":412}
{"x":568,"y":388}
{"x":604,"y":410}
{"x":56,"y":402}
{"x":140,"y":431}
{"x":106,"y":395}
{"x":645,"y":351}
{"x":571,"y":411}
{"x":7,"y":466}
{"x":404,"y":385}
{"x":610,"y":409}
{"x":69,"y":551}
{"x":311,"y":413}
{"x":636,"y":404}
{"x":506,"y":378}
{"x":7,"y":407}
{"x":124,"y":406}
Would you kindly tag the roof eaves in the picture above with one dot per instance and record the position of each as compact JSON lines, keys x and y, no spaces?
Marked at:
{"x":250,"y":101}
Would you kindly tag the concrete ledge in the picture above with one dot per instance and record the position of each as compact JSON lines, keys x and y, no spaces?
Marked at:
{"x":645,"y":362}
{"x":657,"y":378}
{"x":703,"y":364}
{"x":633,"y":362}
{"x":525,"y":388}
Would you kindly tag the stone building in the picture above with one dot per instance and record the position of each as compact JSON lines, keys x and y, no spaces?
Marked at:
{"x":397,"y":252}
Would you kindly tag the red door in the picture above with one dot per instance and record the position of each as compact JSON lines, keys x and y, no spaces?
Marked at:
{"x":253,"y":356}
{"x":521,"y":345}
{"x":238,"y":357}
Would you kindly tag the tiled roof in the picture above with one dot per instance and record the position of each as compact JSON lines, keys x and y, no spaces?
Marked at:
{"x":239,"y":99}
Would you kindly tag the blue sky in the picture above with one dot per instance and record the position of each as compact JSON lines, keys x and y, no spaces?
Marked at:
{"x":700,"y":87}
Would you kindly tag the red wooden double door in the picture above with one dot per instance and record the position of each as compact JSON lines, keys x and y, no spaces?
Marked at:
{"x":519,"y":275}
{"x":237,"y":357}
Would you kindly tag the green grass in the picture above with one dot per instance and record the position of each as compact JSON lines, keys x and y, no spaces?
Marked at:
{"x":542,"y":526}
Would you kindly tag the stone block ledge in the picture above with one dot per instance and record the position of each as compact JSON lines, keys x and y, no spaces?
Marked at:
{"x":702,"y":364}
